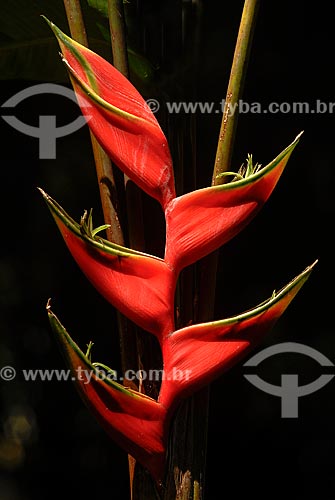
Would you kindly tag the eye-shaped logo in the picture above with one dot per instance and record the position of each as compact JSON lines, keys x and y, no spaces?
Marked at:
{"x":289,"y":391}
{"x":47,"y":132}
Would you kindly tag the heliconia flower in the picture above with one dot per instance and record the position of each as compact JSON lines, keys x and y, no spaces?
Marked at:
{"x":133,"y":420}
{"x":139,"y":285}
{"x":194,"y":356}
{"x":199,"y":222}
{"x":120,"y":119}
{"x":142,"y":286}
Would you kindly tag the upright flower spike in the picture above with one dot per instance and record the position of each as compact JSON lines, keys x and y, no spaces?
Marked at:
{"x":134,"y":421}
{"x":194,"y":356}
{"x":120,"y":119}
{"x":199,"y":222}
{"x":140,"y":286}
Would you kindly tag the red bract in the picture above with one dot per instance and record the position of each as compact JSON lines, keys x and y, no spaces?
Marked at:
{"x":135,"y":421}
{"x":120,"y":119}
{"x":139,"y":285}
{"x":142,"y":286}
{"x":199,"y":222}
{"x":194,"y":356}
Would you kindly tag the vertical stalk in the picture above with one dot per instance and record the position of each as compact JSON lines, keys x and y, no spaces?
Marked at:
{"x":76,"y":21}
{"x":186,"y":466}
{"x":136,"y":344}
{"x":120,"y":61}
{"x":234,"y":90}
{"x":208,"y":265}
{"x":103,"y":164}
{"x":118,"y":36}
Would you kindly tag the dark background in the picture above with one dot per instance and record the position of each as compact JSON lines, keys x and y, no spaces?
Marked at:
{"x":49,"y":444}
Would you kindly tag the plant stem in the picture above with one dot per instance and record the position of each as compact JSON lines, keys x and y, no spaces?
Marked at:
{"x":138,"y":343}
{"x":118,"y":36}
{"x":234,"y":90}
{"x":120,"y":61}
{"x":185,"y":474}
{"x":76,"y":21}
{"x":103,"y":164}
{"x":208,"y":266}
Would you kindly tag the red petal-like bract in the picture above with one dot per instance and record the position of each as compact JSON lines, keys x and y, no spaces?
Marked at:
{"x":199,"y":222}
{"x":195,"y":355}
{"x":136,"y":422}
{"x":120,"y":119}
{"x":140,"y":286}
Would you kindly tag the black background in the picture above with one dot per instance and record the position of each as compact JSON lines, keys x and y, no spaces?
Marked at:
{"x":251,"y":450}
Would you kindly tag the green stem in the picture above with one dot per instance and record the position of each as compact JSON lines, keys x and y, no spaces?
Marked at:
{"x":131,"y":350}
{"x":234,"y":90}
{"x":120,"y":61}
{"x":118,"y":36}
{"x":209,"y":265}
{"x":76,"y":21}
{"x":108,"y":193}
{"x":106,"y":181}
